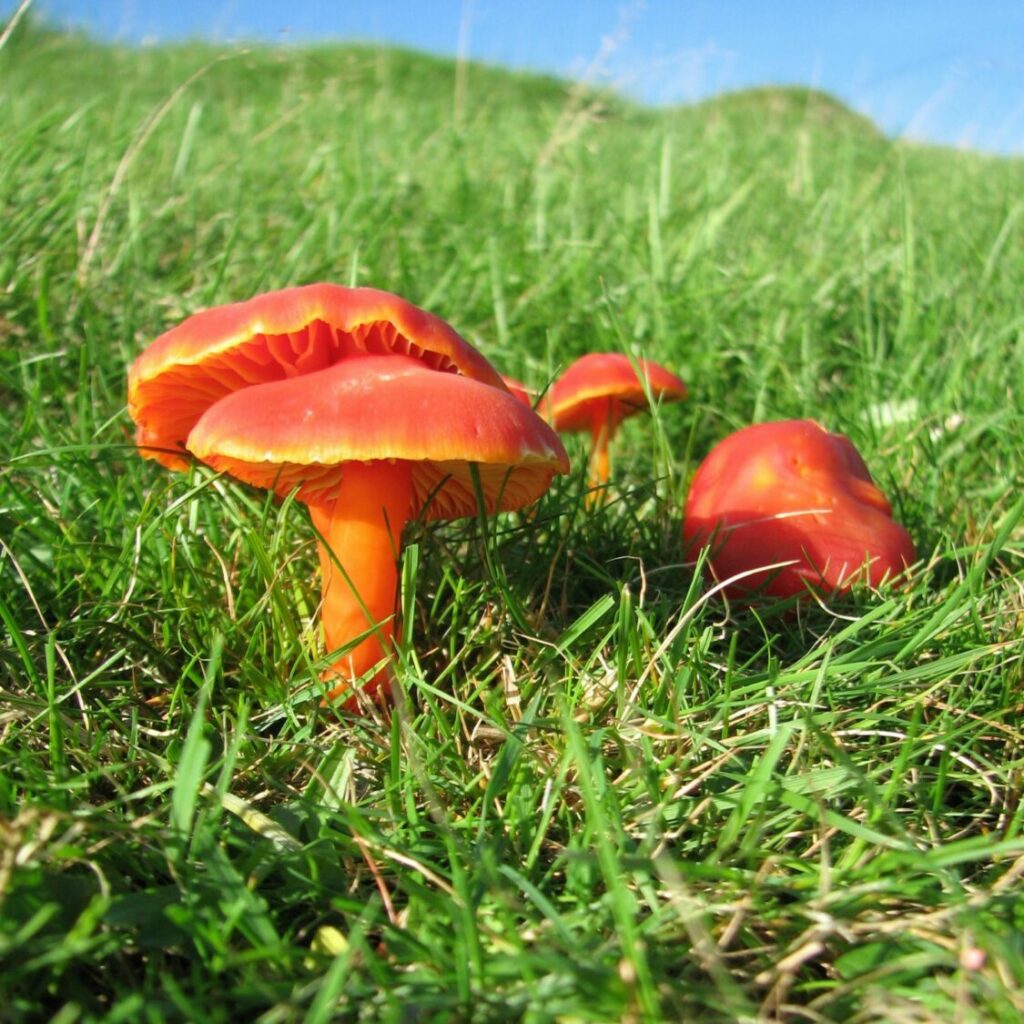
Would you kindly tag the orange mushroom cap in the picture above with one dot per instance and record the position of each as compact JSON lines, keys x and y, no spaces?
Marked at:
{"x":607,"y":384}
{"x":301,"y":432}
{"x":518,"y":389}
{"x":274,"y":337}
{"x":792,"y":491}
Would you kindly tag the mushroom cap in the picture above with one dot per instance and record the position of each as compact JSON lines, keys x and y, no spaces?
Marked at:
{"x":277,"y":336}
{"x":607,"y":384}
{"x":790,"y":490}
{"x":518,"y":389}
{"x":299,"y":433}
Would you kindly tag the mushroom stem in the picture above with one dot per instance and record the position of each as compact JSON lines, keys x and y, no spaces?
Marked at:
{"x":602,"y":430}
{"x":359,"y":554}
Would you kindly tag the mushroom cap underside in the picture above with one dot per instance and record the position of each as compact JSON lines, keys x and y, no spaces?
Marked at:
{"x":299,"y":433}
{"x":277,"y":336}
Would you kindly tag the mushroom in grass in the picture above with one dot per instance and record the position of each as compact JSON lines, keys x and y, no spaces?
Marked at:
{"x":790,"y":491}
{"x":367,"y":445}
{"x":601,"y":389}
{"x":277,"y":336}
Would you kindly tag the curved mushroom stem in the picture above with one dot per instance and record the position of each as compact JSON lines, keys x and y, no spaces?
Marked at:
{"x":362,"y":541}
{"x":603,"y":422}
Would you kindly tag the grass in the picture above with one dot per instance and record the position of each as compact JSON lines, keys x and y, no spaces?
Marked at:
{"x":601,"y":795}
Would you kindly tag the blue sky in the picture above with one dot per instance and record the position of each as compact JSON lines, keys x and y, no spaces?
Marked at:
{"x":946,"y":71}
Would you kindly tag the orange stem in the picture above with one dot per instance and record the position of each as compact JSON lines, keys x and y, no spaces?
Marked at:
{"x":602,"y":430}
{"x":362,"y":542}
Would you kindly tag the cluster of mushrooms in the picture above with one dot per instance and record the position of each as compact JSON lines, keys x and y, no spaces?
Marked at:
{"x":373,"y":412}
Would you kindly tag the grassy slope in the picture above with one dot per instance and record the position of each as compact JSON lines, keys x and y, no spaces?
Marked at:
{"x":598,"y":798}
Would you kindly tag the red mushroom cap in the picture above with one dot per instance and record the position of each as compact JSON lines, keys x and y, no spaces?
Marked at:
{"x":607,"y":384}
{"x":518,"y":390}
{"x":790,"y":490}
{"x":274,"y":337}
{"x":301,"y":432}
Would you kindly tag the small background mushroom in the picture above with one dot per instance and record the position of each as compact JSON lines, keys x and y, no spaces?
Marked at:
{"x":601,"y":389}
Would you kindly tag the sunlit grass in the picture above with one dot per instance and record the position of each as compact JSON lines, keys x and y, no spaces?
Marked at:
{"x":601,"y":795}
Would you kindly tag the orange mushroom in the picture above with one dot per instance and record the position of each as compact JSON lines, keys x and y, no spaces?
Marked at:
{"x":601,"y":389}
{"x":276,"y":336}
{"x":367,"y":445}
{"x":790,"y":491}
{"x":271,"y":356}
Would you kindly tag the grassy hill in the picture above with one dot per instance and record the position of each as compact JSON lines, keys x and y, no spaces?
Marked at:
{"x":600,"y":796}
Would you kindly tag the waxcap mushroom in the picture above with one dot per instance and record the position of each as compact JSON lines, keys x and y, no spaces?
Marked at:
{"x":276,"y":336}
{"x":791,"y":491}
{"x":369,"y":444}
{"x":601,"y":389}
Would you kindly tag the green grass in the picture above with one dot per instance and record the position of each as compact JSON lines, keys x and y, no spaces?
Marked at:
{"x":600,"y":796}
